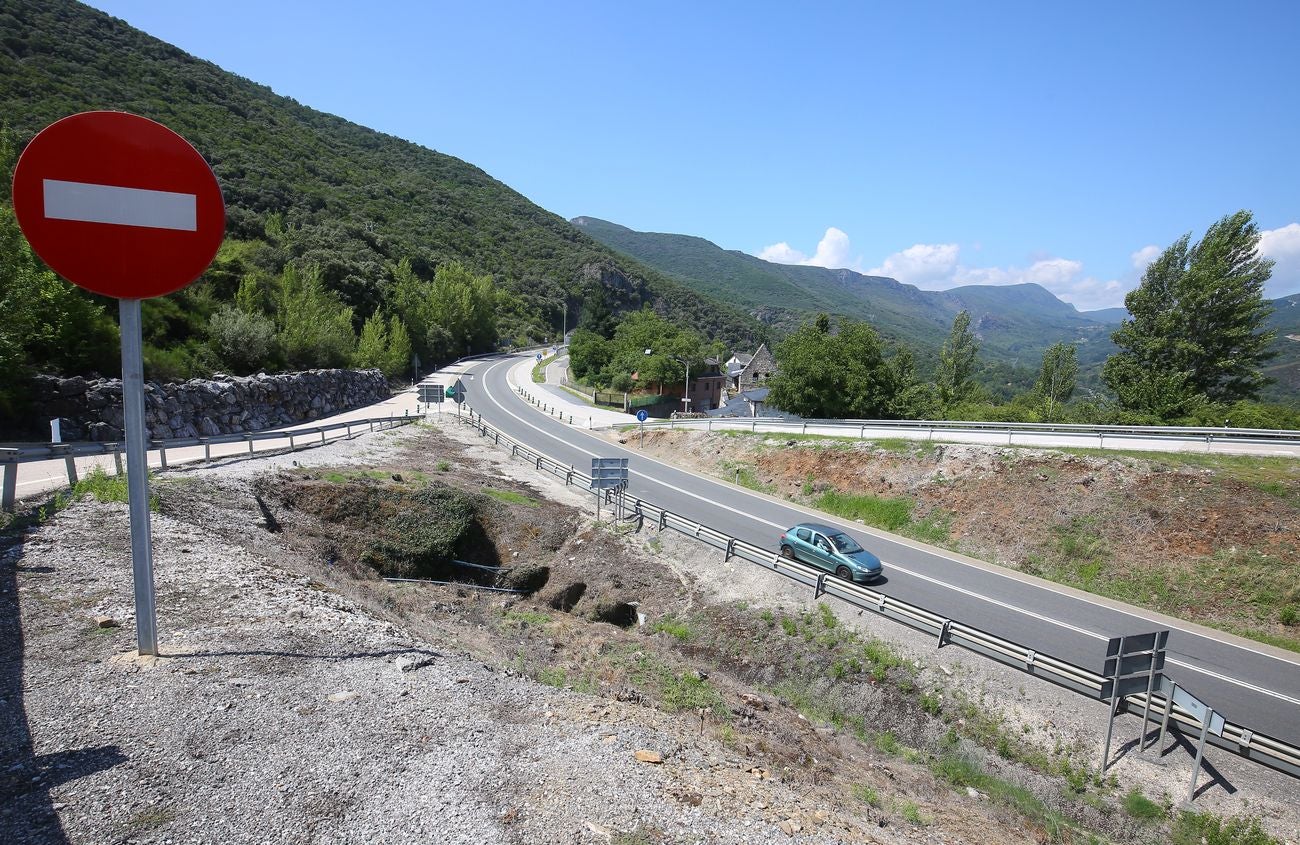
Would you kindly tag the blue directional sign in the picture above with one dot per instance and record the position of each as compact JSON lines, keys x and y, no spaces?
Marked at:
{"x":641,"y":415}
{"x":539,"y":356}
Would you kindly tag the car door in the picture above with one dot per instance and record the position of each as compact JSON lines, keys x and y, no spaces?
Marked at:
{"x":803,"y":545}
{"x":821,"y":551}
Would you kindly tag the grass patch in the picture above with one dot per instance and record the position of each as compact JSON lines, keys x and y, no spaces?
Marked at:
{"x":150,"y":818}
{"x":962,"y":771}
{"x":552,"y":676}
{"x":98,"y":484}
{"x":746,"y":475}
{"x":511,"y":497}
{"x":688,"y":692}
{"x":889,"y":514}
{"x":911,"y":813}
{"x":866,"y":794}
{"x":1141,"y":807}
{"x":679,"y":628}
{"x":539,"y":369}
{"x":443,"y":466}
{"x":527,"y":617}
{"x":1208,"y":829}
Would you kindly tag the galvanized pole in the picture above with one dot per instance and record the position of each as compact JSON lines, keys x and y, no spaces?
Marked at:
{"x":1200,"y":750}
{"x":1114,"y":705}
{"x":137,"y":475}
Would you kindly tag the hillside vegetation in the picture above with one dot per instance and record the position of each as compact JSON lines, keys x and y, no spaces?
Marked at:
{"x":334,"y":202}
{"x":1015,"y":323}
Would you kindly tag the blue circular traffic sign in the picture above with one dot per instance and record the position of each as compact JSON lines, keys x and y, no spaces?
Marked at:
{"x":641,"y":415}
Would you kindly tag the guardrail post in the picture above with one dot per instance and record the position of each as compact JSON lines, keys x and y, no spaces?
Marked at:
{"x":162,"y":456}
{"x":250,"y":443}
{"x":117,"y":460}
{"x":322,"y":436}
{"x":291,"y":446}
{"x":72,"y":470}
{"x":805,"y":427}
{"x":10,"y":486}
{"x":943,"y":632}
{"x":731,"y":545}
{"x":821,"y":586}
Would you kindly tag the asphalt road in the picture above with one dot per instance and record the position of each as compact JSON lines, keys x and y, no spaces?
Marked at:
{"x":1251,"y":684}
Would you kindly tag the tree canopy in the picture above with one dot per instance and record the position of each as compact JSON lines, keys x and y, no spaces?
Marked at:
{"x":841,"y":374}
{"x":1196,"y":332}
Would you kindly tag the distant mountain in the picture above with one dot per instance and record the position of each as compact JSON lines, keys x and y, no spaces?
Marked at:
{"x":1285,"y":368}
{"x":1107,"y":315}
{"x":1015,"y":323}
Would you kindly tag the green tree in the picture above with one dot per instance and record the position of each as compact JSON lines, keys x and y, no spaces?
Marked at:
{"x":397,"y":358}
{"x":372,"y":346}
{"x":1056,"y":377}
{"x":841,"y":374}
{"x":243,"y":340}
{"x":1196,"y":324}
{"x":315,"y":329}
{"x":957,"y":363}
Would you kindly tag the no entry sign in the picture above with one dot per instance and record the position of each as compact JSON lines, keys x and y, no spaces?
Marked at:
{"x":124,"y":207}
{"x":118,"y":204}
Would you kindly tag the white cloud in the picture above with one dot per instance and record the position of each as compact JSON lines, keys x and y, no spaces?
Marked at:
{"x":919,"y":264}
{"x":1283,"y":246}
{"x":833,"y":251}
{"x":1145,"y":256}
{"x":939,"y":267}
{"x":782,"y":253}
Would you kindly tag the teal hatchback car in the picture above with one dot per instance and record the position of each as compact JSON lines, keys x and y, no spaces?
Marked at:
{"x":832,"y":550}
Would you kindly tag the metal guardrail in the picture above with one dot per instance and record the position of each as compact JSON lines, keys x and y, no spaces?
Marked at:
{"x":1101,"y":432}
{"x":12,"y":456}
{"x":1237,"y":739}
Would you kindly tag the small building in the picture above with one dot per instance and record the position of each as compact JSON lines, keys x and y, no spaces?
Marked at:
{"x":755,"y":372}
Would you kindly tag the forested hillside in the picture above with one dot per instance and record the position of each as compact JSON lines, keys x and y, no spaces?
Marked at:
{"x":349,"y":214}
{"x":1015,"y":323}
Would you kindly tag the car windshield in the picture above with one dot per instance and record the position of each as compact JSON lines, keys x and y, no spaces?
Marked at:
{"x":845,"y":544}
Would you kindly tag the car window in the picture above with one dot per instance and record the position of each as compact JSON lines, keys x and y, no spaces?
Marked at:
{"x":820,"y":542}
{"x":804,"y":534}
{"x":845,"y":544}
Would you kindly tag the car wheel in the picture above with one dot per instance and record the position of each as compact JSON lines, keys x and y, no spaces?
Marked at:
{"x":787,"y":553}
{"x":843,"y":572}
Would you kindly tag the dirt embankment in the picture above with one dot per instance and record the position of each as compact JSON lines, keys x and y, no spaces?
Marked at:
{"x":1143,"y":529}
{"x":618,"y":697}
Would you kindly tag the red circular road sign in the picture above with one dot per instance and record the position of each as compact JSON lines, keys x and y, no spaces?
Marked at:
{"x":118,"y":204}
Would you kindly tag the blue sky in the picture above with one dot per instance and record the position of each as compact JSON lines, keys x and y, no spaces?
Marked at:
{"x":940,"y":143}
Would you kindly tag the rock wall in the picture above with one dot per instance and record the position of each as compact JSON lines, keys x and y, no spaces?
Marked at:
{"x":91,"y":409}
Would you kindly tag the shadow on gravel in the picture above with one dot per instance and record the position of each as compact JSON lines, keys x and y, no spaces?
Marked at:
{"x":26,"y":778}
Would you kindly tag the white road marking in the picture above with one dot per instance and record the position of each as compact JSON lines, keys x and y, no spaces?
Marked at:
{"x":89,"y":203}
{"x":1173,"y":662}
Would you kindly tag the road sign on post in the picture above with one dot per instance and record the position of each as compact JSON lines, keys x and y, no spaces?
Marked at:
{"x":124,"y":207}
{"x":1133,"y":665}
{"x":607,"y":474}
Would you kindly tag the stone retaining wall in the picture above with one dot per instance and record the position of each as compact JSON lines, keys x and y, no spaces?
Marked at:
{"x":92,"y":409}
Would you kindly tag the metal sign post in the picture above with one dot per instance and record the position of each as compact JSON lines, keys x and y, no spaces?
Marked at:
{"x":1133,"y":665}
{"x":123,"y":207}
{"x":607,"y":474}
{"x":137,"y":476}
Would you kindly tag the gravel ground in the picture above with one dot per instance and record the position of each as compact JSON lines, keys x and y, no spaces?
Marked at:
{"x":280,"y":712}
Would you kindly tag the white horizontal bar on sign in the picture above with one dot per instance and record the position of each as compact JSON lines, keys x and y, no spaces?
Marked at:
{"x":90,"y":203}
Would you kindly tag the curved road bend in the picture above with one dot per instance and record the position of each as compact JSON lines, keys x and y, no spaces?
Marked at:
{"x":1251,"y":684}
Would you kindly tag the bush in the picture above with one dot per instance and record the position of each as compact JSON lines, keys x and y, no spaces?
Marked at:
{"x":243,"y":341}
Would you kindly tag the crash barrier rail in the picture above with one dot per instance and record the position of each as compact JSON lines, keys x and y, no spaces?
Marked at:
{"x":12,"y":456}
{"x":1101,"y":432}
{"x":1237,"y":739}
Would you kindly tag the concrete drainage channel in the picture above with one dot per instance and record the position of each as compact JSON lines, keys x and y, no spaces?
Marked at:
{"x":1149,"y":706}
